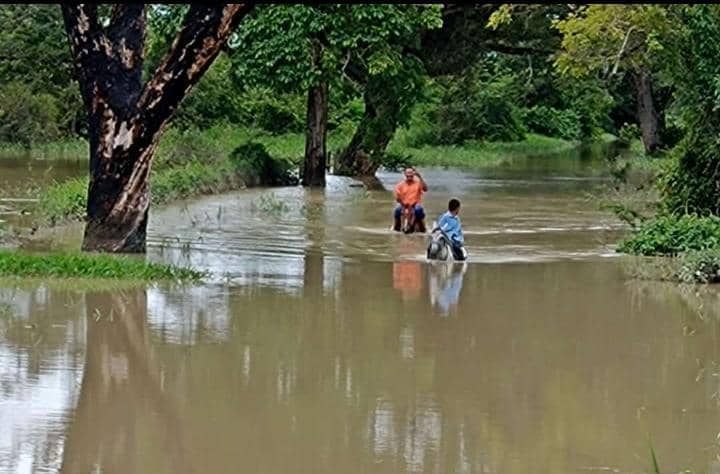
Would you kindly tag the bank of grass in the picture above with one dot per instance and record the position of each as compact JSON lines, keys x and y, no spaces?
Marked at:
{"x":193,"y":162}
{"x":66,"y":149}
{"x":66,"y":201}
{"x":95,"y":266}
{"x":188,"y":163}
{"x":476,"y":154}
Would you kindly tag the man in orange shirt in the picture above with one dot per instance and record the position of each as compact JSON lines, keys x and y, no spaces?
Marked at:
{"x":408,"y":193}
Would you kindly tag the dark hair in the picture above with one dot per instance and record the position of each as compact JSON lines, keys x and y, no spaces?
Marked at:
{"x":453,"y":205}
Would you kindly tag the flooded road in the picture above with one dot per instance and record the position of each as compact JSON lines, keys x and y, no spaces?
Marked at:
{"x":325,"y":343}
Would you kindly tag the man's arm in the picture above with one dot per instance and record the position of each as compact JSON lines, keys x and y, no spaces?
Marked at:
{"x":422,"y":181}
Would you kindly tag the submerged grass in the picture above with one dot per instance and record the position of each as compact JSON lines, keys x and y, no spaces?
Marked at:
{"x":101,"y":266}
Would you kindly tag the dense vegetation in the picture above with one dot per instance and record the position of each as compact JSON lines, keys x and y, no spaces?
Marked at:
{"x":392,"y":84}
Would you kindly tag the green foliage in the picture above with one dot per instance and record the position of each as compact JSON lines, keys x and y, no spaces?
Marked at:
{"x":64,"y":201}
{"x":629,"y":132}
{"x":273,"y":46}
{"x":606,"y":39}
{"x":71,"y":265}
{"x":273,"y":112}
{"x":36,"y":65}
{"x":671,"y":235}
{"x":480,"y":105}
{"x":553,"y":122}
{"x":258,"y":168}
{"x":27,"y":117}
{"x":214,"y":99}
{"x":691,"y":185}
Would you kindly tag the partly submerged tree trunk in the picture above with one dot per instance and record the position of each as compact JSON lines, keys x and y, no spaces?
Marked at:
{"x":316,"y":133}
{"x":125,"y":117}
{"x":362,"y":156}
{"x":651,"y":123}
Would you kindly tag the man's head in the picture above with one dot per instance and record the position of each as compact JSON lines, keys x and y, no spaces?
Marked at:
{"x":454,"y":206}
{"x":409,"y":175}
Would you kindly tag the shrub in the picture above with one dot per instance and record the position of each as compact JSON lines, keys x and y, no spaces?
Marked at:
{"x":257,"y":167}
{"x":671,"y":235}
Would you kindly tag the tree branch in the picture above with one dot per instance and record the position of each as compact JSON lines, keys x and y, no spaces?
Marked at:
{"x":622,"y":50}
{"x":87,"y":42}
{"x":204,"y":31}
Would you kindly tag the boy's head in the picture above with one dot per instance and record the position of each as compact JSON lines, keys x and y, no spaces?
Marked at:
{"x":454,"y":206}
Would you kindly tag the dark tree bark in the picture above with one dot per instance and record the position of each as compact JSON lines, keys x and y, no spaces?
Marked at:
{"x":361,"y":157}
{"x":651,"y":123}
{"x":125,"y":117}
{"x":316,"y":133}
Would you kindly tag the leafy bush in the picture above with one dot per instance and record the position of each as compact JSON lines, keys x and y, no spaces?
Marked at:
{"x":25,"y":117}
{"x":553,"y":122}
{"x":257,"y":167}
{"x":671,"y":235}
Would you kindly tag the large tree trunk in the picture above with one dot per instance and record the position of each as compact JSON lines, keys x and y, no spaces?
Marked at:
{"x":316,"y":133}
{"x":651,"y":124}
{"x":362,"y":156}
{"x":125,"y":117}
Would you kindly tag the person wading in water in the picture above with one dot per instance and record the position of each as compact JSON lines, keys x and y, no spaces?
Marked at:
{"x":408,"y":194}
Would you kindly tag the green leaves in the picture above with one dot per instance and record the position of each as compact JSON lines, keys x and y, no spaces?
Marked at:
{"x":273,"y":47}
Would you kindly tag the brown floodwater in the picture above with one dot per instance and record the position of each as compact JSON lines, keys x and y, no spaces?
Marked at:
{"x":324,"y":343}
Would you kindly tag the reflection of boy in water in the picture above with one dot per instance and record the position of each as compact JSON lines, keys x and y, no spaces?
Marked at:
{"x":446,"y":284}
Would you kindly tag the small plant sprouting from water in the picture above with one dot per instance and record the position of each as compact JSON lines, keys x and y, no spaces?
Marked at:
{"x":269,"y":203}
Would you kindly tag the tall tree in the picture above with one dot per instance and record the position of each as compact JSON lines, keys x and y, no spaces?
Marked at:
{"x":327,"y":49}
{"x":127,"y":116}
{"x":609,"y":40}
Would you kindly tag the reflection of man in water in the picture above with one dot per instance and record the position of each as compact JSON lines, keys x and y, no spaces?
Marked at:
{"x":446,"y":284}
{"x":407,"y":277}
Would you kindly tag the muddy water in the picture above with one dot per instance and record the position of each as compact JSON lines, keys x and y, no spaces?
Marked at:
{"x":20,"y":180}
{"x":324,"y":343}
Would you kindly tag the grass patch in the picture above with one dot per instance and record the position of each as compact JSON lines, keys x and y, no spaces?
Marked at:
{"x":101,"y":266}
{"x":67,"y":149}
{"x":474,"y":154}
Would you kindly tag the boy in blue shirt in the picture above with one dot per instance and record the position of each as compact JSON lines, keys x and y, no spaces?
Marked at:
{"x":449,"y":222}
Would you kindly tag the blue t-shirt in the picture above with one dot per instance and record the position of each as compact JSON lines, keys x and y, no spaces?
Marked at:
{"x":451,"y":226}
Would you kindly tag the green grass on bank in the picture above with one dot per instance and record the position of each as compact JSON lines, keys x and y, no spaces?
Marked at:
{"x":101,"y":266}
{"x":194,"y":162}
{"x":67,"y":149}
{"x":482,"y":154}
{"x":67,"y":201}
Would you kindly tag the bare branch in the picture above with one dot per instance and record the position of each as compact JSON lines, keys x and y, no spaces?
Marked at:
{"x":622,"y":50}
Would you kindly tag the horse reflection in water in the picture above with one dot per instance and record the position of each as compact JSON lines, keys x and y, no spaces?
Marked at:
{"x":446,"y":281}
